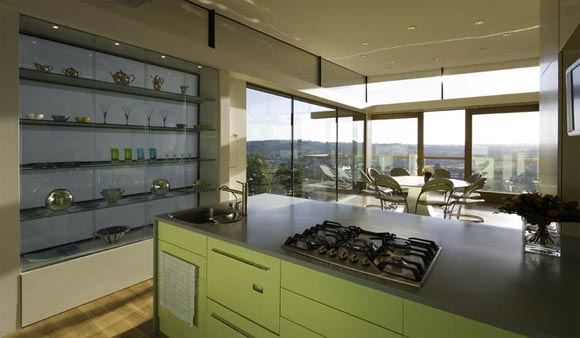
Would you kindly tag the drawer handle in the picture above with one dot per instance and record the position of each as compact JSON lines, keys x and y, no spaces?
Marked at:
{"x":231,"y":326}
{"x":256,"y":265}
{"x":257,"y":288}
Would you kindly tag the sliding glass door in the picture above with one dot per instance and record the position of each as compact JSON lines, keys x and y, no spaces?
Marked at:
{"x":444,"y":141}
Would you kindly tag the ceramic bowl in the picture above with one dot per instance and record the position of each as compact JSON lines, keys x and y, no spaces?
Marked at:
{"x":58,"y":199}
{"x":34,"y":116}
{"x":60,"y":118}
{"x":113,"y":234}
{"x":83,"y":119}
{"x":112,"y":195}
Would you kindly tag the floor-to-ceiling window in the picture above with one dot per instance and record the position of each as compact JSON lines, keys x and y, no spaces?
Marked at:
{"x":395,"y":144}
{"x":505,"y":149}
{"x":315,"y":151}
{"x":269,"y":143}
{"x":444,"y":141}
{"x":301,"y":148}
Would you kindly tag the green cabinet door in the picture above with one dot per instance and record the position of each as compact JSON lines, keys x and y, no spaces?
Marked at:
{"x":224,"y":323}
{"x":246,"y":282}
{"x":289,"y":329}
{"x":421,"y":321}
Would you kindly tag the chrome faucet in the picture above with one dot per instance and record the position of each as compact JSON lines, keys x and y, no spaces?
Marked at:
{"x":242,"y":193}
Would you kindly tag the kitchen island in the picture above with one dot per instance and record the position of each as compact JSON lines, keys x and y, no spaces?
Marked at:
{"x":482,"y":284}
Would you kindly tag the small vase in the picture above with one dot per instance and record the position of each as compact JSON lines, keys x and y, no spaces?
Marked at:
{"x":427,"y":177}
{"x":543,"y":239}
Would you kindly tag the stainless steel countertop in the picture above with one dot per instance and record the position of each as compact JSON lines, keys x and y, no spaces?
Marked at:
{"x":481,"y":273}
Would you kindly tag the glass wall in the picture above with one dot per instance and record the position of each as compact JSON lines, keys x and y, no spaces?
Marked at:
{"x":505,"y":150}
{"x":303,"y":149}
{"x":395,"y":144}
{"x":383,"y":90}
{"x":343,"y":81}
{"x":315,"y":152}
{"x":444,"y":141}
{"x":269,"y":143}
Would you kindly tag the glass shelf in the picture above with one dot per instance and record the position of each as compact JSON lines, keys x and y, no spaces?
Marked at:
{"x":81,"y":248}
{"x":28,"y":74}
{"x":43,"y":212}
{"x":48,"y":123}
{"x":105,"y":164}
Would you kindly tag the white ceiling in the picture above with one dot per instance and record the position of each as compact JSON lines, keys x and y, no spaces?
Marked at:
{"x":372,"y":36}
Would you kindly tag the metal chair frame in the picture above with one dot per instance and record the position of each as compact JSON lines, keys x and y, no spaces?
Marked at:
{"x":440,"y":185}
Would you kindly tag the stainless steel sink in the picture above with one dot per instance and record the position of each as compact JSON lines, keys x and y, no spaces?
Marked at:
{"x":208,"y":215}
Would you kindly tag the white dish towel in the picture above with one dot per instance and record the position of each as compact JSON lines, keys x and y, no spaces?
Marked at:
{"x":177,"y":286}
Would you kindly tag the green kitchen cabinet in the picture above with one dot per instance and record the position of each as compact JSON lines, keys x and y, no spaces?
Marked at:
{"x":246,"y":282}
{"x":183,"y":238}
{"x":169,"y":324}
{"x":224,"y":323}
{"x":372,"y":305}
{"x":328,"y":321}
{"x":289,"y":329}
{"x":422,"y":321}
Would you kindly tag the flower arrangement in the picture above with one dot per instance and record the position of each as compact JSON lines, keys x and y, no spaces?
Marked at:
{"x":428,"y":170}
{"x":541,"y":209}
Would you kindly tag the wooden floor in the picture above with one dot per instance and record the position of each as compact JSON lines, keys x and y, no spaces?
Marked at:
{"x":127,"y":313}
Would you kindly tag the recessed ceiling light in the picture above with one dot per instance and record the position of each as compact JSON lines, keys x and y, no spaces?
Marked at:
{"x":116,"y":43}
{"x":163,"y":56}
{"x":506,"y":34}
{"x":392,"y":61}
{"x":254,"y":20}
{"x":34,"y":42}
{"x":363,"y":56}
{"x":435,"y":59}
{"x":479,"y":22}
{"x":222,"y":7}
{"x":365,"y":43}
{"x":412,"y":27}
{"x":199,"y":67}
{"x":55,"y":27}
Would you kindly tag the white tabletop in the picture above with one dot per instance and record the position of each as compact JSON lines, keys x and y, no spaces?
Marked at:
{"x":419,"y":181}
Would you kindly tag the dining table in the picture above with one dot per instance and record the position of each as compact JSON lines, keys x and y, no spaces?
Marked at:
{"x":413,"y":185}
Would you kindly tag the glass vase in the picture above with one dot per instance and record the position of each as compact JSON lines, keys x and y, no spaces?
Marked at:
{"x":543,"y":239}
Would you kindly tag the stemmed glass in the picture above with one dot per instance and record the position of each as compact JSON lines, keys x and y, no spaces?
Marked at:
{"x":164,"y":114}
{"x":127,"y":111}
{"x":149,"y":113}
{"x":105,"y":109}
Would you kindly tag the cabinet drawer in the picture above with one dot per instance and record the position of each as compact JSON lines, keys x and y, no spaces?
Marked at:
{"x":327,"y":321}
{"x":182,"y":238}
{"x":246,"y":282}
{"x":173,"y":327}
{"x":290,"y":329}
{"x":222,"y":323}
{"x":375,"y":306}
{"x":422,"y":321}
{"x":190,"y":257}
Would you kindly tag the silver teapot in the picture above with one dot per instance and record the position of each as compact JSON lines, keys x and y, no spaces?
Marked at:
{"x":70,"y":71}
{"x":122,"y":78}
{"x":157,"y":82}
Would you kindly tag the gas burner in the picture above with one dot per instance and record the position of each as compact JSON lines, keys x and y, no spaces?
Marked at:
{"x":383,"y":255}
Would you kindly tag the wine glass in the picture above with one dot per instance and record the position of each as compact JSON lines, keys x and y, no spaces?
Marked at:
{"x":149,"y":113}
{"x":127,"y":111}
{"x":105,"y":109}
{"x":164,"y":114}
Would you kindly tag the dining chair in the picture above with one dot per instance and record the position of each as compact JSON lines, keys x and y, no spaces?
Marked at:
{"x":400,"y":172}
{"x":471,"y":179}
{"x":442,"y":173}
{"x":372,"y":172}
{"x":468,"y":197}
{"x":396,"y":197}
{"x":371,"y":189}
{"x":443,"y":189}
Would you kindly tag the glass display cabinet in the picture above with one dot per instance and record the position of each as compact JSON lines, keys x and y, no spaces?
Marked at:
{"x":110,"y":135}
